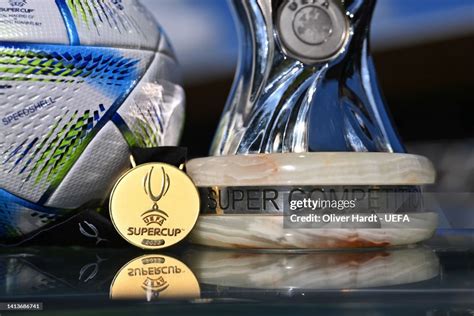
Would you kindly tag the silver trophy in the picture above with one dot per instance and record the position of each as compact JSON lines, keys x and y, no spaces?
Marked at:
{"x":305,"y":81}
{"x":305,"y":114}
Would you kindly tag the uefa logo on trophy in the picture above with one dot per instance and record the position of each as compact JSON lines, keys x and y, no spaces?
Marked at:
{"x":305,"y":114}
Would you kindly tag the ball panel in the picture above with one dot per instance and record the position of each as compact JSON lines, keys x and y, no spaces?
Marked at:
{"x":19,"y":217}
{"x":124,"y":23}
{"x":54,"y":100}
{"x":93,"y":175}
{"x":32,"y":21}
{"x":164,"y":46}
{"x":153,"y":113}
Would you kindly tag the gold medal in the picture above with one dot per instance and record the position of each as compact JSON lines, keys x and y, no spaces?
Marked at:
{"x":151,"y":277}
{"x":154,"y":205}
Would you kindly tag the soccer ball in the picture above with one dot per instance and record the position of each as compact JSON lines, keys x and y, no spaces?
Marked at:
{"x":81,"y":82}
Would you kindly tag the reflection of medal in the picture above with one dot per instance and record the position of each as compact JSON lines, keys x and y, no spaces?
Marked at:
{"x":151,"y":277}
{"x":174,"y":210}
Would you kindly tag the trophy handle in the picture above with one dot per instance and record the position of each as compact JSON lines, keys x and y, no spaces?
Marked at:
{"x":284,"y":100}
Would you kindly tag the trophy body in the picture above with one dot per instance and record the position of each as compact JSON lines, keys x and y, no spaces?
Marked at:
{"x":305,"y":114}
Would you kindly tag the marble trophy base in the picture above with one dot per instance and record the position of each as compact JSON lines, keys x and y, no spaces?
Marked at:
{"x":266,"y":230}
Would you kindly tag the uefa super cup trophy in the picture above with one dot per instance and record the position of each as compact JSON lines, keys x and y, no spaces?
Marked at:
{"x":306,"y":116}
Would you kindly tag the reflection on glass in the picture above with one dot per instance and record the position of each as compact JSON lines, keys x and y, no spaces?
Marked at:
{"x":207,"y":272}
{"x":152,"y":277}
{"x":44,"y":272}
{"x":313,"y":271}
{"x":100,"y":273}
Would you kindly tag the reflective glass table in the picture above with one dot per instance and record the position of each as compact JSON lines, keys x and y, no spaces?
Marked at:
{"x":433,"y":278}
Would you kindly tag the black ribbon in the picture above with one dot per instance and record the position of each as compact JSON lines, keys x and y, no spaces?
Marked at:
{"x":175,"y":156}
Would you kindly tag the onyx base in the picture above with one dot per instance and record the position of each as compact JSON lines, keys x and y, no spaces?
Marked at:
{"x":267,"y":231}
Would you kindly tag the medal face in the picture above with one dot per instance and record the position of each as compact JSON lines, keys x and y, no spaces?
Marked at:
{"x":154,"y":205}
{"x":152,"y":277}
{"x":312,"y":31}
